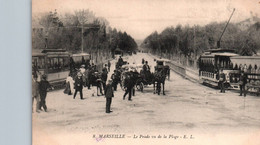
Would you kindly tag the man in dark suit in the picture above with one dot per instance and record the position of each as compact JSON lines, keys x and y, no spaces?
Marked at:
{"x":116,"y":79}
{"x":43,"y":86}
{"x":243,"y":81}
{"x":78,"y":85}
{"x":104,"y":78}
{"x":129,"y":83}
{"x":109,"y":94}
{"x":222,"y":79}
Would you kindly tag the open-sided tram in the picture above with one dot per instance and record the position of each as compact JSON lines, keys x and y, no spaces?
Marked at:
{"x":211,"y":62}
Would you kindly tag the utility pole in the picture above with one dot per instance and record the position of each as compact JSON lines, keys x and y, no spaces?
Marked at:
{"x":82,"y":39}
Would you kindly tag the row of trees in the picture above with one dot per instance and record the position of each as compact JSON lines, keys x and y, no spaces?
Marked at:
{"x":189,"y":42}
{"x":74,"y":31}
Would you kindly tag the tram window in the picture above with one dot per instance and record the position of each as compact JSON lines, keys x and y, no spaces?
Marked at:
{"x":66,"y":62}
{"x":41,"y":63}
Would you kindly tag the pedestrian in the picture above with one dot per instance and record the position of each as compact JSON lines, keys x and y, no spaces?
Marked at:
{"x":104,"y":78}
{"x":105,"y":68}
{"x":35,"y":93}
{"x":43,"y":87}
{"x":242,"y":84}
{"x":129,"y":84}
{"x":98,"y":83}
{"x":109,"y":65}
{"x":78,"y":85}
{"x":222,"y":79}
{"x":109,"y":94}
{"x":69,"y":85}
{"x":115,"y":79}
{"x":143,"y":61}
{"x":83,"y":72}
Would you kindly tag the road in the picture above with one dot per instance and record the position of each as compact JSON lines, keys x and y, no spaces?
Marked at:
{"x":187,"y":108}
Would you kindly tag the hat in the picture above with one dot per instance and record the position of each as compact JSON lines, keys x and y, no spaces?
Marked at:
{"x":82,"y":65}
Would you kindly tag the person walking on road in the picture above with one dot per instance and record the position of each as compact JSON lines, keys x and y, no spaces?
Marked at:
{"x":243,"y":81}
{"x":109,"y":94}
{"x":78,"y":86}
{"x":104,"y":78}
{"x":108,"y":65}
{"x":222,"y":79}
{"x":129,"y":82}
{"x":43,"y":86}
{"x":115,"y":78}
{"x":35,"y":93}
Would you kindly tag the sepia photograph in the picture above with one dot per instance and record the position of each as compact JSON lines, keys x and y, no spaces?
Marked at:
{"x":159,"y":72}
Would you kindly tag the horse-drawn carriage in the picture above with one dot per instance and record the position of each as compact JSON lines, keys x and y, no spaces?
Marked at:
{"x":144,"y":78}
{"x":129,"y":72}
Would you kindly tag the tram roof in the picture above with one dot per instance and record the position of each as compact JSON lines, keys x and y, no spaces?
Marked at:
{"x":42,"y":52}
{"x":248,"y":60}
{"x":162,"y":60}
{"x":219,"y":54}
{"x":221,"y":50}
{"x":80,"y":54}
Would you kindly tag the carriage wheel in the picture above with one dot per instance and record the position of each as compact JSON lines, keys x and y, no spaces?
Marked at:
{"x":140,"y":87}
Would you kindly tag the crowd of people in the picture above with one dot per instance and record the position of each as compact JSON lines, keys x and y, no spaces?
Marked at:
{"x":86,"y":77}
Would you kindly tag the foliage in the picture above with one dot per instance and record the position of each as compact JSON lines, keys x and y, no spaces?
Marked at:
{"x":192,"y":41}
{"x":55,"y":31}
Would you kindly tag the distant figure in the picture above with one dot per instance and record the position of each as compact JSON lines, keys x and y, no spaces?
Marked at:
{"x":116,"y":79}
{"x":83,"y":72}
{"x":222,"y":79}
{"x":105,"y":68}
{"x":242,"y":84}
{"x":104,"y":78}
{"x":98,"y":83}
{"x":143,"y":61}
{"x":109,"y":65}
{"x":120,"y":61}
{"x":43,"y":86}
{"x":69,"y":85}
{"x":109,"y":94}
{"x":78,"y":85}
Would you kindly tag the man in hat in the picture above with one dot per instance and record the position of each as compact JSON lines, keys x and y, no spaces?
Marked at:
{"x":108,"y":65}
{"x":105,"y":68}
{"x":98,"y":83}
{"x":108,"y":95}
{"x":129,"y":83}
{"x":115,"y":78}
{"x":243,"y":81}
{"x":104,"y":78}
{"x":222,"y":79}
{"x":83,"y":72}
{"x":43,"y":86}
{"x":78,"y":85}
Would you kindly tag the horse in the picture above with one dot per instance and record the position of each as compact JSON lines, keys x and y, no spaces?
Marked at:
{"x":159,"y":78}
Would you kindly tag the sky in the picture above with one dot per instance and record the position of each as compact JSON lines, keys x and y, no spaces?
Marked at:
{"x":139,"y":18}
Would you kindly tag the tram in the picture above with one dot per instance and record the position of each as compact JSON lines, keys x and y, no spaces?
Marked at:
{"x":250,"y":65}
{"x":211,"y":62}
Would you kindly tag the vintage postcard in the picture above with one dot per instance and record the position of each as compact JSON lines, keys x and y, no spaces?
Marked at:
{"x":159,"y":72}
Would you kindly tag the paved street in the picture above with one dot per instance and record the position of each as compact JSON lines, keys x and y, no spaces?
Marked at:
{"x":187,"y":108}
